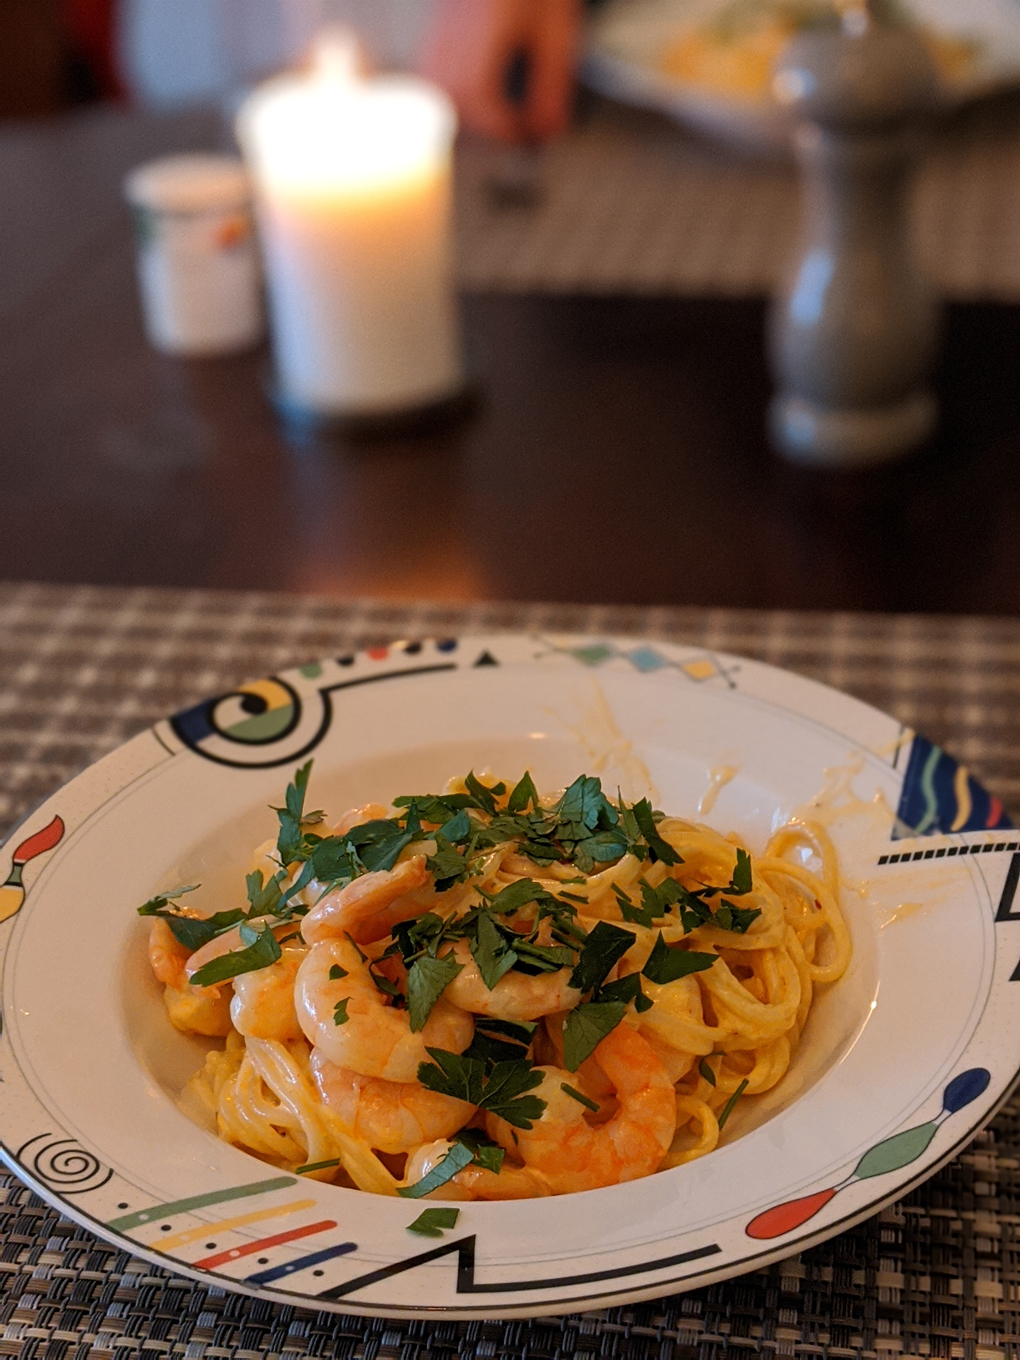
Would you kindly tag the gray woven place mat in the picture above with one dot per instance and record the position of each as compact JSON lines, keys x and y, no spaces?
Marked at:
{"x":81,"y":669}
{"x":634,"y":204}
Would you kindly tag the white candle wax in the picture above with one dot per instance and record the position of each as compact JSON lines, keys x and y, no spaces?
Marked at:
{"x":353,"y":200}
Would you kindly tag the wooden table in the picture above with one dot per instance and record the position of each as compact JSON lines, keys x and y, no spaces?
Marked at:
{"x":617,"y":453}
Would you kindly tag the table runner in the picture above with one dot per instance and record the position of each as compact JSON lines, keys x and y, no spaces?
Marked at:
{"x":83,"y":668}
{"x":636,"y":204}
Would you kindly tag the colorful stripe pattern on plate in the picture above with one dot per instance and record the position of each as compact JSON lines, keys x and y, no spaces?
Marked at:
{"x":939,"y":795}
{"x":890,"y":1155}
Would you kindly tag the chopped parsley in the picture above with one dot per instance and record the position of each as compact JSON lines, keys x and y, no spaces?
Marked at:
{"x":602,"y":950}
{"x":667,"y":964}
{"x":585,"y":1028}
{"x":706,"y":1071}
{"x":500,"y":1040}
{"x":456,"y":1159}
{"x":340,"y":1016}
{"x":488,"y":1155}
{"x":261,"y":949}
{"x":432,"y":1222}
{"x":727,"y":1109}
{"x":579,"y":1097}
{"x":427,"y":979}
{"x":501,"y":1090}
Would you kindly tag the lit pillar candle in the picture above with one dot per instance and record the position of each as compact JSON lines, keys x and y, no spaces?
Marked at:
{"x":353,"y":186}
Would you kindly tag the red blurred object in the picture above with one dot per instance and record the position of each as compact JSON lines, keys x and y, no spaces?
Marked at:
{"x":92,"y":28}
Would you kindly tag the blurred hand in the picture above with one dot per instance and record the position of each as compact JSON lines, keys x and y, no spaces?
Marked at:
{"x":473,"y":45}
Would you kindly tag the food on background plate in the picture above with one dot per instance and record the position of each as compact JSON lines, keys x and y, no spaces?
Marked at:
{"x":493,"y":994}
{"x":733,"y":52}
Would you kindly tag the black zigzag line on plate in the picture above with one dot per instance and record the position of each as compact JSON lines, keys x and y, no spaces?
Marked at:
{"x":948,"y":851}
{"x":466,"y":1283}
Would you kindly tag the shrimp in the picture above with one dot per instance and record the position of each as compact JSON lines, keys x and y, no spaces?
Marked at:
{"x":516,"y":996}
{"x":368,"y":908}
{"x":192,"y":1010}
{"x":263,"y":1003}
{"x":367,"y":1035}
{"x":474,"y":1182}
{"x":358,"y":816}
{"x":167,"y":956}
{"x":567,"y":1153}
{"x":391,"y":1116}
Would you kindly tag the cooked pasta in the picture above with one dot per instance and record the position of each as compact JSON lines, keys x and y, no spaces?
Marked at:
{"x":489,"y":994}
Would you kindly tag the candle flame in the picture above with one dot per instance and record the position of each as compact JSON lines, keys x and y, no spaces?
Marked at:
{"x":337,"y":56}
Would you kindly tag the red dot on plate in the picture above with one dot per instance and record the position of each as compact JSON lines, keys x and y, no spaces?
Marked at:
{"x":378,"y":653}
{"x":785,"y":1217}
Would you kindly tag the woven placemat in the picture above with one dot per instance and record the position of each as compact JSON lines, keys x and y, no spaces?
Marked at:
{"x":632,"y":203}
{"x":81,"y":669}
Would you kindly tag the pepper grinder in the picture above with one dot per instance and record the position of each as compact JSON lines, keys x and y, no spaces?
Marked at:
{"x":853,"y":334}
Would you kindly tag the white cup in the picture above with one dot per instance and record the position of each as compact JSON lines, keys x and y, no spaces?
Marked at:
{"x":198,"y":263}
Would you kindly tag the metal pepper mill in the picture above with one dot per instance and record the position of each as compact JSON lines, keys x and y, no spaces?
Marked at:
{"x":853,"y":334}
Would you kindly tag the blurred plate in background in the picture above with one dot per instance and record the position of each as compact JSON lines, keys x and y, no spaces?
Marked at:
{"x":707,"y":62}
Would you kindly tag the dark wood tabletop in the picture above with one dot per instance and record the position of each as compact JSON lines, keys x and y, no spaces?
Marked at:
{"x":616,"y":451}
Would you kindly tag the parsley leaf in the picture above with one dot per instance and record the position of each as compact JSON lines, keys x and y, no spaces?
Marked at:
{"x":379,"y":843}
{"x":431,"y":1222}
{"x":488,"y":1155}
{"x":444,"y":1170}
{"x":524,"y":792}
{"x":260,"y":953}
{"x":340,"y":1016}
{"x":604,"y":947}
{"x":626,"y":989}
{"x":427,"y":980}
{"x":336,"y":973}
{"x":545,"y":958}
{"x":458,"y":828}
{"x":491,"y":951}
{"x":668,"y":965}
{"x":417,"y":935}
{"x":635,"y":916}
{"x":602,"y":848}
{"x":484,"y":797}
{"x":586,"y":1027}
{"x":738,"y":919}
{"x":446,"y":866}
{"x":517,"y":895}
{"x":727,"y":1109}
{"x":659,"y":848}
{"x":740,"y":882}
{"x":265,"y":897}
{"x":453,"y":1074}
{"x":288,"y":842}
{"x":157,"y":905}
{"x":581,"y":1099}
{"x":433,"y":808}
{"x":193,"y":931}
{"x":502,"y":1092}
{"x":499,"y":1040}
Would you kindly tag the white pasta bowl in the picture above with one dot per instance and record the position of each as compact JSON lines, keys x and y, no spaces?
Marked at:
{"x":902,"y":1061}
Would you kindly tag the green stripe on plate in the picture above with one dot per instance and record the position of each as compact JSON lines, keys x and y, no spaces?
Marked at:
{"x":181,"y":1206}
